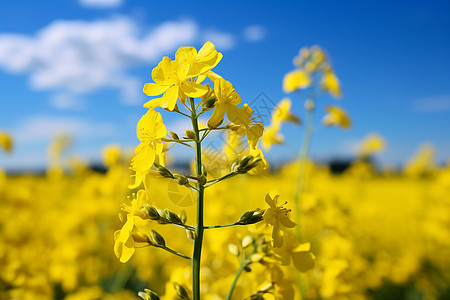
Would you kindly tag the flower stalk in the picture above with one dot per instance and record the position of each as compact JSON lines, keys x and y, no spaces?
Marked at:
{"x":199,"y":228}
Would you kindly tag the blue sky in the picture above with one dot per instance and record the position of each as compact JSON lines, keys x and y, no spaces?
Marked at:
{"x":392,"y":60}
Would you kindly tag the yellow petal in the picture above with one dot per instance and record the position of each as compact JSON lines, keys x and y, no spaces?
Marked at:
{"x":295,"y":80}
{"x":254,"y":133}
{"x":161,"y":72}
{"x":186,"y":55}
{"x":303,"y":260}
{"x":330,"y":83}
{"x":144,"y":158}
{"x":192,"y":89}
{"x":277,"y":239}
{"x":217,"y":116}
{"x":270,"y":201}
{"x":154,"y":89}
{"x":287,"y":222}
{"x":138,"y":177}
{"x":169,"y":99}
{"x":153,"y":103}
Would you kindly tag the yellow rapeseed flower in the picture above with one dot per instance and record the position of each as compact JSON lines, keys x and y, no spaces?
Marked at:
{"x":200,"y":62}
{"x":6,"y":142}
{"x":150,"y":130}
{"x":277,"y":216}
{"x":336,"y":116}
{"x":227,"y":99}
{"x":330,"y":83}
{"x":172,"y":79}
{"x":296,"y":80}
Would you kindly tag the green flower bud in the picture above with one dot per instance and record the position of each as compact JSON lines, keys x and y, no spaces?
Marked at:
{"x":190,"y":134}
{"x":209,"y":103}
{"x":245,"y":216}
{"x":163,"y":171}
{"x":151,"y":211}
{"x":180,"y":179}
{"x":157,"y":238}
{"x":174,"y":135}
{"x":148,"y":295}
{"x":181,"y":291}
{"x":172,"y":217}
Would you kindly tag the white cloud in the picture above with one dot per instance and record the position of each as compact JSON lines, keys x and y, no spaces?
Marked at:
{"x":67,"y":101}
{"x":44,"y":128}
{"x":254,"y":33}
{"x":221,"y":40}
{"x":82,"y":56}
{"x":101,"y":3}
{"x":432,"y":104}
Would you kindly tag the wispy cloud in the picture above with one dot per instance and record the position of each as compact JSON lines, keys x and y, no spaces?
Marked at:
{"x":43,"y":128}
{"x":433,"y":104}
{"x":67,"y":101}
{"x":101,"y":3}
{"x":254,"y":33}
{"x":222,"y":40}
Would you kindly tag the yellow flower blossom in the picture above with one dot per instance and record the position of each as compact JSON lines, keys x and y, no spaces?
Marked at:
{"x":371,"y":144}
{"x":296,"y":80}
{"x":200,"y":62}
{"x":227,"y":99}
{"x":281,"y":114}
{"x":150,"y":130}
{"x":277,"y":216}
{"x":299,"y":254}
{"x":172,"y":79}
{"x":336,"y":117}
{"x":330,"y":83}
{"x":6,"y":141}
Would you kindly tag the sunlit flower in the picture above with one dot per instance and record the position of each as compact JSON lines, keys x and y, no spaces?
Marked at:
{"x":296,"y":80}
{"x":6,"y":142}
{"x":330,"y":83}
{"x":150,"y":130}
{"x":172,"y":79}
{"x":200,"y":62}
{"x":227,"y":101}
{"x":336,"y":116}
{"x":277,"y":216}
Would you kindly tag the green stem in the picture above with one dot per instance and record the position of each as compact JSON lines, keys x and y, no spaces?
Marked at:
{"x":229,"y":175}
{"x":174,"y":252}
{"x":222,"y":226}
{"x":302,"y":160}
{"x":200,"y":194}
{"x":244,"y":263}
{"x":238,"y":274}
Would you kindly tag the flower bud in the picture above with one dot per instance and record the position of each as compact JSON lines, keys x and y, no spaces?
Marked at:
{"x":181,"y":291}
{"x":309,"y":105}
{"x":234,"y":249}
{"x":209,"y":103}
{"x":148,"y":295}
{"x":162,"y":171}
{"x":180,"y":179}
{"x":246,"y":241}
{"x":174,"y":135}
{"x":190,"y":134}
{"x":190,"y":235}
{"x":172,"y":217}
{"x":151,"y":211}
{"x":157,"y":238}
